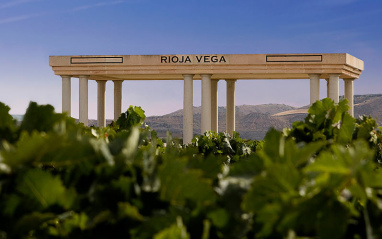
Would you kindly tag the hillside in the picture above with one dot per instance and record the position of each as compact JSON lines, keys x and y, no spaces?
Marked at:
{"x":253,"y":121}
{"x":245,"y":109}
{"x":369,"y":105}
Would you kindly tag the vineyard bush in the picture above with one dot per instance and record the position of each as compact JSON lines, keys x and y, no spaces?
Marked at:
{"x":319,"y":179}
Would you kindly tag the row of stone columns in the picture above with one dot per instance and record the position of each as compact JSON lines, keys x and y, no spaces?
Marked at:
{"x":83,"y":98}
{"x":209,"y":120}
{"x":332,"y":89}
{"x":209,"y":117}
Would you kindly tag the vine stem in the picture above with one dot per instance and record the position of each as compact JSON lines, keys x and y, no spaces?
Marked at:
{"x":369,"y":230}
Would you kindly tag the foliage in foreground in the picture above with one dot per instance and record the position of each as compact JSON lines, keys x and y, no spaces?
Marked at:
{"x":319,"y":179}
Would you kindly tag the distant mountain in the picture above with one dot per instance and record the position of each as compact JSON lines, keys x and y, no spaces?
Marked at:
{"x":244,"y":109}
{"x":253,"y":121}
{"x":369,"y":105}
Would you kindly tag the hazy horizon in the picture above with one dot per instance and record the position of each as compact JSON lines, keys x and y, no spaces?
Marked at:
{"x":166,"y":113}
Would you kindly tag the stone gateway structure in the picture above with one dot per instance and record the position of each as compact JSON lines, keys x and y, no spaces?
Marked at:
{"x":207,"y":68}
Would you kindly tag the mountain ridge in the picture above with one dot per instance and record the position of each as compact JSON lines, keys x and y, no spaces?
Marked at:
{"x":253,"y":121}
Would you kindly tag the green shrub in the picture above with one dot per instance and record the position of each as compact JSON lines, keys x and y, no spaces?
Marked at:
{"x":319,"y":179}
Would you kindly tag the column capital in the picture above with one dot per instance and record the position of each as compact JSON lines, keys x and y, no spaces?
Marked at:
{"x":66,"y":76}
{"x":117,"y":81}
{"x":189,"y":75}
{"x":208,"y":75}
{"x":83,"y":76}
{"x":334,"y":74}
{"x":230,"y":80}
{"x":349,"y":79}
{"x":101,"y":81}
{"x":314,"y":74}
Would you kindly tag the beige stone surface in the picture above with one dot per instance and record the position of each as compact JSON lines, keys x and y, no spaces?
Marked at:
{"x":230,"y":114}
{"x":214,"y":106}
{"x":349,"y":94}
{"x":84,"y":99}
{"x":101,"y":103}
{"x":333,"y":88}
{"x":221,"y":66}
{"x":117,"y":99}
{"x":66,"y":95}
{"x":188,"y":106}
{"x":206,"y":103}
{"x":314,"y":88}
{"x":207,"y":68}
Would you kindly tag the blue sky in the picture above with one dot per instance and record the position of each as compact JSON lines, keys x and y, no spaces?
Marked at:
{"x":32,"y":30}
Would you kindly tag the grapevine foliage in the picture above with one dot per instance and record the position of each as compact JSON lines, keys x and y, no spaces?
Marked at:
{"x":319,"y":179}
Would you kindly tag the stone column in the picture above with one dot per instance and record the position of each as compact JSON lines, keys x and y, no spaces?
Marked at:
{"x":230,"y":113}
{"x":314,"y":88}
{"x":334,"y":93}
{"x":188,"y":105}
{"x":349,"y":94}
{"x":206,"y":103}
{"x":214,"y":106}
{"x":117,"y":98}
{"x":66,"y":95}
{"x":327,"y":88}
{"x":101,"y":120}
{"x":84,"y":99}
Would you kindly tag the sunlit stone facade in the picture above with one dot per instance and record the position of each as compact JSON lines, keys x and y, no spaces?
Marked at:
{"x":207,"y":68}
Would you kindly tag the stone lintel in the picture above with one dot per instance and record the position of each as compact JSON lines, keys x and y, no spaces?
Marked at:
{"x":221,"y":66}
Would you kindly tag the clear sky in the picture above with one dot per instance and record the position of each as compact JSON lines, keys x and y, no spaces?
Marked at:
{"x":32,"y":30}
